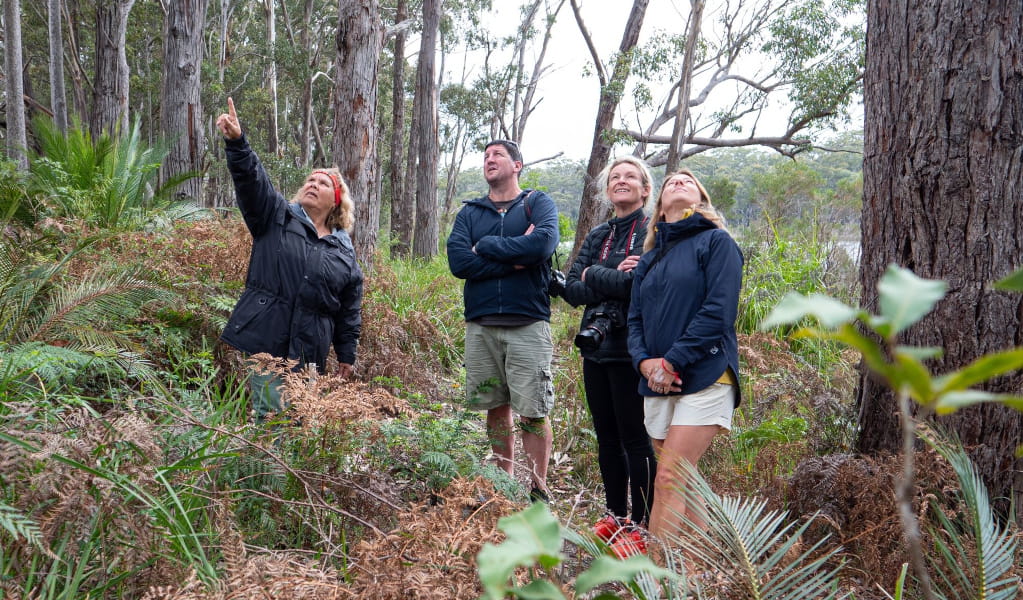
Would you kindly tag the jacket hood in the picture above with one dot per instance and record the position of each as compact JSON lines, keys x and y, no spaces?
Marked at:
{"x":678,"y":230}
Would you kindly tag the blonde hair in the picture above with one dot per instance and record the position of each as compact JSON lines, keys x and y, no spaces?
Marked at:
{"x":705,"y":208}
{"x":342,"y":216}
{"x":644,"y":172}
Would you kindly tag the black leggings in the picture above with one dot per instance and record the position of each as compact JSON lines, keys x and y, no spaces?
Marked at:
{"x":624,"y":451}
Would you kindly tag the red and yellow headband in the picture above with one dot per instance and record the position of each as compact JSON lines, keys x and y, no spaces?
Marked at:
{"x":337,"y":186}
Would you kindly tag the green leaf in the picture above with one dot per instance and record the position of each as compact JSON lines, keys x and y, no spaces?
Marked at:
{"x":1012,"y":283}
{"x":539,"y":589}
{"x":534,"y":536}
{"x":952,"y":401}
{"x":606,"y":569}
{"x":920,"y":353}
{"x":912,"y":376}
{"x":981,"y":370}
{"x":830,"y":313}
{"x":905,"y":298}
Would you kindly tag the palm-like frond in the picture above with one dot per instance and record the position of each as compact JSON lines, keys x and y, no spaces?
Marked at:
{"x":762,"y":553}
{"x":975,"y":555}
{"x":111,"y":182}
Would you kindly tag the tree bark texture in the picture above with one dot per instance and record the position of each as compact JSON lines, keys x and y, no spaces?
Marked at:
{"x":16,"y":138}
{"x":610,"y":95}
{"x":425,"y":242}
{"x":402,"y":211}
{"x":685,"y":86}
{"x":110,"y":84}
{"x":58,"y":96}
{"x":274,"y":134}
{"x":180,"y":105}
{"x":943,"y":177}
{"x":359,"y":40}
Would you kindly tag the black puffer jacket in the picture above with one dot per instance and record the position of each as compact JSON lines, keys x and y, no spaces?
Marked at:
{"x":605,"y":284}
{"x":302,"y":292}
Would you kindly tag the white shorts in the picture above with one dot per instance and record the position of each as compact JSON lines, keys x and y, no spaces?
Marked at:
{"x":712,"y":405}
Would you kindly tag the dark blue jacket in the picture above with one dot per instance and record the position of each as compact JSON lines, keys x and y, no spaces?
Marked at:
{"x":605,"y":284}
{"x":493,"y":286}
{"x":302,"y":292}
{"x":684,"y":307}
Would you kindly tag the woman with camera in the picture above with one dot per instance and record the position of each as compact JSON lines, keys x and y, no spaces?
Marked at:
{"x":685,"y":297}
{"x":601,"y":278}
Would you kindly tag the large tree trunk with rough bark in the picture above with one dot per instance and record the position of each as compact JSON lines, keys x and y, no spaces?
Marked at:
{"x":425,"y":243}
{"x":58,"y":96}
{"x":16,"y":137}
{"x":402,"y":211}
{"x":942,"y":181}
{"x":180,"y":103}
{"x":359,"y":40}
{"x":110,"y":84}
{"x":610,"y":94}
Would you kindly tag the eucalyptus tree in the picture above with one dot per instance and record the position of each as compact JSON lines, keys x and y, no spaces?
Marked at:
{"x":359,"y":42}
{"x":111,"y":80}
{"x":181,"y":115}
{"x":424,"y":121}
{"x":942,"y":174}
{"x":401,"y":215}
{"x":58,"y":96}
{"x":16,"y":138}
{"x":611,"y":87}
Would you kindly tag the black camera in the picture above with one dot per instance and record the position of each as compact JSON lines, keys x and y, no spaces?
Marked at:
{"x":556,"y":286}
{"x":597,"y":321}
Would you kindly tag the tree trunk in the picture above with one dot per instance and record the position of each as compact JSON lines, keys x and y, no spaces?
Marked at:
{"x":58,"y":97}
{"x":80,"y":91}
{"x":110,"y":84}
{"x":274,"y":136}
{"x":426,"y":239}
{"x":359,"y":40}
{"x":180,"y":103}
{"x":402,"y":211}
{"x":686,"y":80}
{"x":610,"y":94}
{"x":306,"y":139}
{"x":16,"y":139}
{"x":942,"y":177}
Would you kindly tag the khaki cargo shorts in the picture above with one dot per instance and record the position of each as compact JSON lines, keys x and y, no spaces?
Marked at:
{"x":510,"y":365}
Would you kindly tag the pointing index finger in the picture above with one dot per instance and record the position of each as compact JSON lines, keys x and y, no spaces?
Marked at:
{"x":230,"y":108}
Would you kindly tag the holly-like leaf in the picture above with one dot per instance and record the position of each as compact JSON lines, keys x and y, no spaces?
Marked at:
{"x":534,"y":536}
{"x":794,"y":307}
{"x":606,"y":569}
{"x":953,"y":401}
{"x":905,"y":298}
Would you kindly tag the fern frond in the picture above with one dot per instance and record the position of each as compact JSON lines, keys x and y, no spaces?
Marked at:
{"x":766,"y":551}
{"x":977,"y":554}
{"x":16,"y":523}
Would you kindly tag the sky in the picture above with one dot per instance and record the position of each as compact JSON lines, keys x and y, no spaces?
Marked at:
{"x":563,"y":121}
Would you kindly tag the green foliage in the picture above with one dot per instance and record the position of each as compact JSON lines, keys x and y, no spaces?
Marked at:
{"x":755,"y":548}
{"x":110,"y":182}
{"x":974,"y":556}
{"x":534,"y":540}
{"x":903,"y":299}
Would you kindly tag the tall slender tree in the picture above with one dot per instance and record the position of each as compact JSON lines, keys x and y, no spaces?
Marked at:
{"x":110,"y":83}
{"x":273,"y":130}
{"x":16,"y":138}
{"x":402,"y":211}
{"x":426,"y":239}
{"x":688,"y":59}
{"x":58,"y":97}
{"x":942,"y":176}
{"x":181,"y":115}
{"x":611,"y":86}
{"x":359,"y":41}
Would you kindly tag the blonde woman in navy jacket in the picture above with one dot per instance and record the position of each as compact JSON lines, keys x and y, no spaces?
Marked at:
{"x":685,"y":296}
